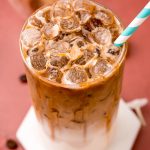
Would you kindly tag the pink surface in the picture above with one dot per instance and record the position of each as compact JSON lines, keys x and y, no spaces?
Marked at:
{"x":14,"y":96}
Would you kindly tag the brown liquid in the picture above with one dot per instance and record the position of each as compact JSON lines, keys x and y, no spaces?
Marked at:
{"x":76,"y":109}
{"x":81,"y":107}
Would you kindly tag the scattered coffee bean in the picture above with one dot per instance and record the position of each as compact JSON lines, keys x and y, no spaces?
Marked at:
{"x":11,"y":144}
{"x":23,"y":78}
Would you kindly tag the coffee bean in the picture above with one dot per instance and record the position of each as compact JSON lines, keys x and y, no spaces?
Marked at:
{"x":23,"y":78}
{"x":11,"y":144}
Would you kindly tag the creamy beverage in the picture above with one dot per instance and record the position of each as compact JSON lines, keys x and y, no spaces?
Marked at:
{"x":74,"y":71}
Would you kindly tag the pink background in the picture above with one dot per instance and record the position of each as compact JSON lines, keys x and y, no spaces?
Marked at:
{"x":14,"y":96}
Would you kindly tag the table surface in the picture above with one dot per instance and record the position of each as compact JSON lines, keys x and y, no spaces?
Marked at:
{"x":14,"y":96}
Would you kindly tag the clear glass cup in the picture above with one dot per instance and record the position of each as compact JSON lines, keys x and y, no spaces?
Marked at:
{"x":77,"y":118}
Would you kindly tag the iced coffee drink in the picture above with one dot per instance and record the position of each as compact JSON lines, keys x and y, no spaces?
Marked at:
{"x":74,"y":71}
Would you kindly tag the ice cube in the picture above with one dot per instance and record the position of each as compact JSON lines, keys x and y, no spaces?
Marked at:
{"x":58,"y":61}
{"x":69,"y":37}
{"x":46,"y":14}
{"x":84,"y":5}
{"x":30,"y":37}
{"x":40,"y":15}
{"x":47,"y":44}
{"x":75,"y":52}
{"x":97,"y":51}
{"x":75,"y":75}
{"x":78,"y":116}
{"x":78,"y":4}
{"x":50,"y":30}
{"x":88,"y":27}
{"x":62,"y":9}
{"x":83,"y":15}
{"x":113,"y":50}
{"x":100,"y":68}
{"x":32,"y":50}
{"x":114,"y":29}
{"x":60,"y":36}
{"x":38,"y":60}
{"x":78,"y":41}
{"x":53,"y":73}
{"x":70,"y":24}
{"x":34,"y":21}
{"x":102,"y":36}
{"x":95,"y":23}
{"x":105,"y":17}
{"x":57,"y":47}
{"x":87,"y":55}
{"x":62,"y":46}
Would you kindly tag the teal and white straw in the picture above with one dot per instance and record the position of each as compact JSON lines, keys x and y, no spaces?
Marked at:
{"x":133,"y":26}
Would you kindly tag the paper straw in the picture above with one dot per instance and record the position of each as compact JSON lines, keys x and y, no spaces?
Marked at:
{"x":133,"y":26}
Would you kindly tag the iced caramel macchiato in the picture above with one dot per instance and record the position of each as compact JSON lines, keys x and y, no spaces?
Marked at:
{"x":74,"y":71}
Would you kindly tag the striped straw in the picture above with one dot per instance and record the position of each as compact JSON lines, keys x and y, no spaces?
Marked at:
{"x":133,"y":26}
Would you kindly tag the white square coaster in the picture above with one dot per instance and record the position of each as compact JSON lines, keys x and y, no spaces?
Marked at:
{"x":126,"y":130}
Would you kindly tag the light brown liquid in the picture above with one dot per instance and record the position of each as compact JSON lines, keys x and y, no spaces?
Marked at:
{"x":74,"y":72}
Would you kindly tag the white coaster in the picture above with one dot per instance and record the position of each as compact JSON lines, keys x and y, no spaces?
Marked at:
{"x":126,"y":130}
